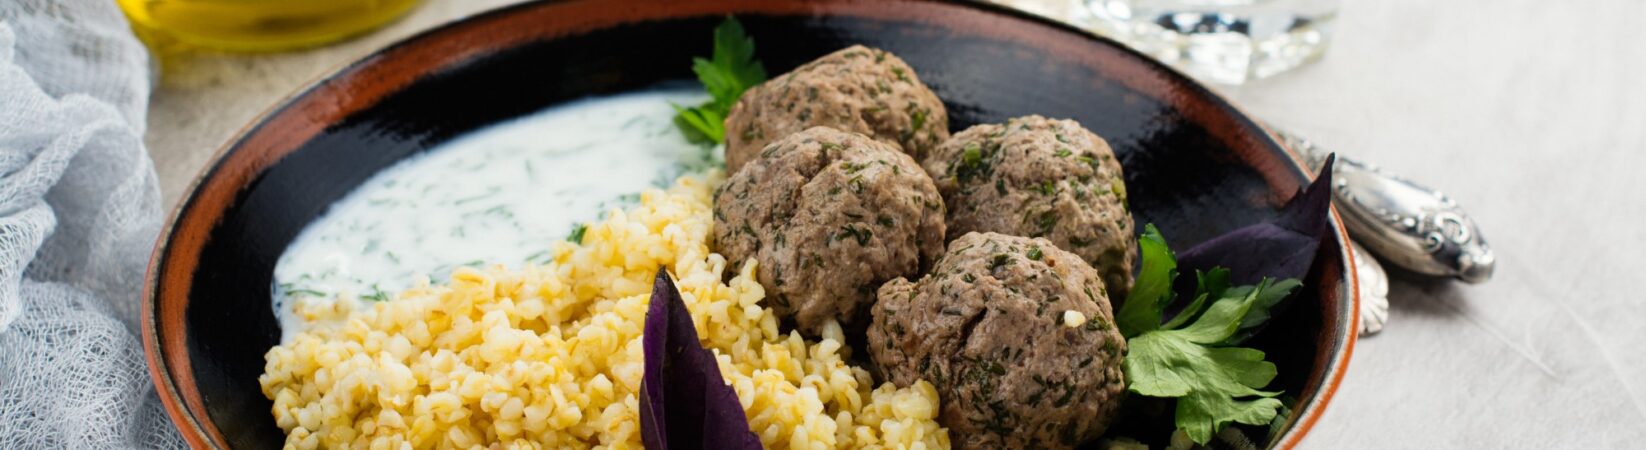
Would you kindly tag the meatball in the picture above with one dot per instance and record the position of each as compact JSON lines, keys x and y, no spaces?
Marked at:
{"x":1016,"y":334}
{"x":829,"y":215}
{"x":1039,"y":177}
{"x":858,"y":89}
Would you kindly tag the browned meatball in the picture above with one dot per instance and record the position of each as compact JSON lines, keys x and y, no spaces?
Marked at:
{"x":990,"y":327}
{"x":829,"y":215}
{"x":1039,"y":177}
{"x":858,"y":89}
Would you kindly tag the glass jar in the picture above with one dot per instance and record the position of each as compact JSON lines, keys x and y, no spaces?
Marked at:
{"x":1223,"y":41}
{"x":258,"y":25}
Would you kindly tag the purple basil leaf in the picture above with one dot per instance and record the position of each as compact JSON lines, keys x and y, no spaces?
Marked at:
{"x":684,"y":404}
{"x":1282,"y":249}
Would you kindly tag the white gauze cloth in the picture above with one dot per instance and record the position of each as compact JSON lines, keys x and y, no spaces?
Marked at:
{"x":79,"y":212}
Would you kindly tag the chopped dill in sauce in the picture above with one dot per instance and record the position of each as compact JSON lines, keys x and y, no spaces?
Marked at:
{"x":502,"y":194}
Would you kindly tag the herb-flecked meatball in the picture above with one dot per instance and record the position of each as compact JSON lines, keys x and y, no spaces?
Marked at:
{"x":1017,"y":336}
{"x":858,"y":89}
{"x":829,"y":215}
{"x":1040,"y":177}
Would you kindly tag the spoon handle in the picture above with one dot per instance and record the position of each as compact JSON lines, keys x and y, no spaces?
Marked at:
{"x":1410,"y":225}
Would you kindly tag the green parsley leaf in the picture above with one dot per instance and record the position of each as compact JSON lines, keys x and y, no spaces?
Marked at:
{"x":1213,"y":283}
{"x":733,"y":68}
{"x":1214,"y":385}
{"x":1192,"y":357}
{"x":1152,"y":289}
{"x":1267,"y":298}
{"x":725,"y":75}
{"x":1210,"y":286}
{"x":702,"y":124}
{"x":1221,"y":319}
{"x":1284,"y":415}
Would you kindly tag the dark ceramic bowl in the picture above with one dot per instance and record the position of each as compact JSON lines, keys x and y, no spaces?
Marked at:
{"x":1195,"y":165}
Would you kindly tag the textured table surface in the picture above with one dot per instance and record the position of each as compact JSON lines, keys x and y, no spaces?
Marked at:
{"x":1531,"y":114}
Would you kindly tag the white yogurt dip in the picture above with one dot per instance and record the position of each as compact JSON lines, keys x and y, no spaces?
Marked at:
{"x":497,"y":195}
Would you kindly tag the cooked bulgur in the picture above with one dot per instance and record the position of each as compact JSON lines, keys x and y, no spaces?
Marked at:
{"x":550,"y":356}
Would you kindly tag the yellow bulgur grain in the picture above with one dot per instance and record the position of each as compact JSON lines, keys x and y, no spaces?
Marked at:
{"x":550,"y":356}
{"x":1073,"y":319}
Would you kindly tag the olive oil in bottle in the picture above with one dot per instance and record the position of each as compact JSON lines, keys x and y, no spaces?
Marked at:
{"x":258,"y":25}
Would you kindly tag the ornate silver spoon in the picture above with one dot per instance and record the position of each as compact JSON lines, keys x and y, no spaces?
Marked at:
{"x":1412,"y":226}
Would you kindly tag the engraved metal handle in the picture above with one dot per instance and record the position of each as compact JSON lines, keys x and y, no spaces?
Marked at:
{"x":1410,"y":225}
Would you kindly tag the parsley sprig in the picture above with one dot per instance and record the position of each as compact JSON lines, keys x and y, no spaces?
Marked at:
{"x":730,"y":71}
{"x":1194,"y":357}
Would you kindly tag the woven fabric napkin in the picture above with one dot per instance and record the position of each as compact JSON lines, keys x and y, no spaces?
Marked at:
{"x":79,"y":212}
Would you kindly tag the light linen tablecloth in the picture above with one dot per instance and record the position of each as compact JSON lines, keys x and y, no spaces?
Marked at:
{"x":1530,"y":113}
